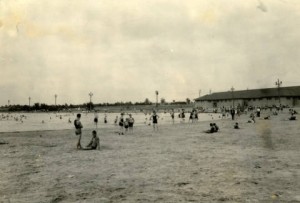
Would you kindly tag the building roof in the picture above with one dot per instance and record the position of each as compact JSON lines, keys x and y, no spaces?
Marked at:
{"x":253,"y":94}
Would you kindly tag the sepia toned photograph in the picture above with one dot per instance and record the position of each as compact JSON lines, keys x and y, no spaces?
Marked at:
{"x":149,"y":101}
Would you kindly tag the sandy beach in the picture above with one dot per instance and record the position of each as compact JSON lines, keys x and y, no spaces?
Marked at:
{"x":258,"y":163}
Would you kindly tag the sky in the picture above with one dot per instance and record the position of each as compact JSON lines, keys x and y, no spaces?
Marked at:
{"x":126,"y":50}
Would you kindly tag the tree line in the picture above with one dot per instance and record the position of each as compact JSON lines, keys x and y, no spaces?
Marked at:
{"x":84,"y":106}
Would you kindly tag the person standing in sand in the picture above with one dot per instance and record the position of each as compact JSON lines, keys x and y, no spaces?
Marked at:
{"x":96,"y":119}
{"x":154,"y":119}
{"x":130,"y":122}
{"x":105,"y":118}
{"x":78,"y":127}
{"x":258,"y":112}
{"x":173,"y":116}
{"x":182,"y":115}
{"x":232,"y":112}
{"x":121,"y":124}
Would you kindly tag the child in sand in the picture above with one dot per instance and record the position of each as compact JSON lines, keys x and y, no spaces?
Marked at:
{"x":94,"y":143}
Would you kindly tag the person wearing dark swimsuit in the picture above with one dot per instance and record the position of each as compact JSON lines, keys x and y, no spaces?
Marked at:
{"x":154,"y":119}
{"x":121,"y":124}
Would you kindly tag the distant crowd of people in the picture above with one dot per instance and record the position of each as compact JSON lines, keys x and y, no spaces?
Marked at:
{"x":126,"y":122}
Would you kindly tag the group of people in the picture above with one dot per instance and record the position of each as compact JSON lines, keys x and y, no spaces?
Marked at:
{"x":13,"y":117}
{"x":96,"y":117}
{"x":126,"y":124}
{"x":213,"y":128}
{"x":93,"y":144}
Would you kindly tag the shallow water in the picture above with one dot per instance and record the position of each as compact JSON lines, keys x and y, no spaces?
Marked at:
{"x":60,"y":121}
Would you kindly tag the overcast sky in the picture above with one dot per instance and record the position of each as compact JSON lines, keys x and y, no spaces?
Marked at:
{"x":125,"y":50}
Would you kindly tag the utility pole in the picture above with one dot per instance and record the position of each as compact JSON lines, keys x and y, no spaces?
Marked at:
{"x":8,"y":102}
{"x":91,"y":94}
{"x":29,"y":98}
{"x":156,"y":93}
{"x":278,"y":83}
{"x":55,"y":96}
{"x":232,"y":89}
{"x":199,"y":93}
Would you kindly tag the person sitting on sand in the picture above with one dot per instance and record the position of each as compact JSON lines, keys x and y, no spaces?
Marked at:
{"x":212,"y":129}
{"x":94,"y":143}
{"x":236,"y":126}
{"x":78,"y":127}
{"x":292,"y":118}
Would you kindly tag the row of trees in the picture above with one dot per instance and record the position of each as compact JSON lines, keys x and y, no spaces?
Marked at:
{"x":85,"y":106}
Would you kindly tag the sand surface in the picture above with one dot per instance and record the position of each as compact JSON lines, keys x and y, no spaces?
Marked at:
{"x":179,"y":163}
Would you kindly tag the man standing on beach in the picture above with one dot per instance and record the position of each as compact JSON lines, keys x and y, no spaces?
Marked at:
{"x":78,"y":132}
{"x":232,"y":112}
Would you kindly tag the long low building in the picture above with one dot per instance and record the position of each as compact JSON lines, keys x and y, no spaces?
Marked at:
{"x":286,"y":96}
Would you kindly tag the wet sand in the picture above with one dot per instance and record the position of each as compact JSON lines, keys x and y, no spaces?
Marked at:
{"x":258,"y":163}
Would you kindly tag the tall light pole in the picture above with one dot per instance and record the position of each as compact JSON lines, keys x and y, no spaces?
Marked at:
{"x":232,"y":89}
{"x":55,"y":96}
{"x":278,"y":83}
{"x":199,"y":93}
{"x":156,"y":92}
{"x":91,"y":94}
{"x":29,"y":98}
{"x":8,"y":102}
